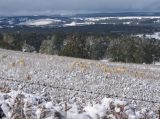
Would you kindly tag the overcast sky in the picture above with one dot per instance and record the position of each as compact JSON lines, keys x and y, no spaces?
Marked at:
{"x":31,"y":7}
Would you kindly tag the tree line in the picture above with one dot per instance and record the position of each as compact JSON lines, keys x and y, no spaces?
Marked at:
{"x":118,"y":48}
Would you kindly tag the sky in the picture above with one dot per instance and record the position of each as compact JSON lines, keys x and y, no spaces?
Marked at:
{"x":48,"y":7}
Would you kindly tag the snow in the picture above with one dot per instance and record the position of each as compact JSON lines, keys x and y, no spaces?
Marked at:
{"x":120,"y":18}
{"x":75,"y":21}
{"x":126,"y":22}
{"x":78,"y":24}
{"x":157,"y":21}
{"x":155,"y":35}
{"x":109,"y":20}
{"x":71,"y":24}
{"x":74,"y":79}
{"x":48,"y":109}
{"x":97,"y":18}
{"x":157,"y":63}
{"x":10,"y":26}
{"x":77,"y":18}
{"x":40,"y":22}
{"x":11,"y":22}
{"x":139,"y":17}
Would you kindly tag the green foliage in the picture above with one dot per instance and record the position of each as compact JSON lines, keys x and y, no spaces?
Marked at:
{"x":119,"y":48}
{"x":74,"y":46}
{"x":130,"y":49}
{"x":52,"y":45}
{"x":5,"y":45}
{"x":96,"y":46}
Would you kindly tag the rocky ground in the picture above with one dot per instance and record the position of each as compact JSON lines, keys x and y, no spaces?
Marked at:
{"x":87,"y":80}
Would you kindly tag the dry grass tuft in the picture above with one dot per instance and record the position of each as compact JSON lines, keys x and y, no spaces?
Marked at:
{"x":21,"y":62}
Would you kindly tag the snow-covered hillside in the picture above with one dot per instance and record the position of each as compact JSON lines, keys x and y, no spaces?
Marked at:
{"x":155,"y":35}
{"x":40,"y":22}
{"x":62,"y":21}
{"x":78,"y":24}
{"x":85,"y":80}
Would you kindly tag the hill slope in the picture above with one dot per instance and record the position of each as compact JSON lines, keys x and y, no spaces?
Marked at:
{"x":88,"y":79}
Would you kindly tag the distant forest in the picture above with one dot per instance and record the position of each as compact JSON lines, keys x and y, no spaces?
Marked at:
{"x":115,"y":43}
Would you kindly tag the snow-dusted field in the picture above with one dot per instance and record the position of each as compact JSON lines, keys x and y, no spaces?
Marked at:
{"x":87,"y":80}
{"x":155,"y":35}
{"x":40,"y":22}
{"x":19,"y":105}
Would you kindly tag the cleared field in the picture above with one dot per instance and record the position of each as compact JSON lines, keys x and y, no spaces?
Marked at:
{"x":87,"y":80}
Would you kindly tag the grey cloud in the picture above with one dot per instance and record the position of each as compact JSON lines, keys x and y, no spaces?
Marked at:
{"x":22,"y":7}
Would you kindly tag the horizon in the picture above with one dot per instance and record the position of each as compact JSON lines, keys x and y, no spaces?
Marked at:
{"x":51,"y":7}
{"x":138,"y":13}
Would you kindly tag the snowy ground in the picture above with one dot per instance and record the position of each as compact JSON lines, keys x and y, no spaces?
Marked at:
{"x":19,"y":105}
{"x":84,"y":79}
{"x":40,"y":22}
{"x":155,"y":35}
